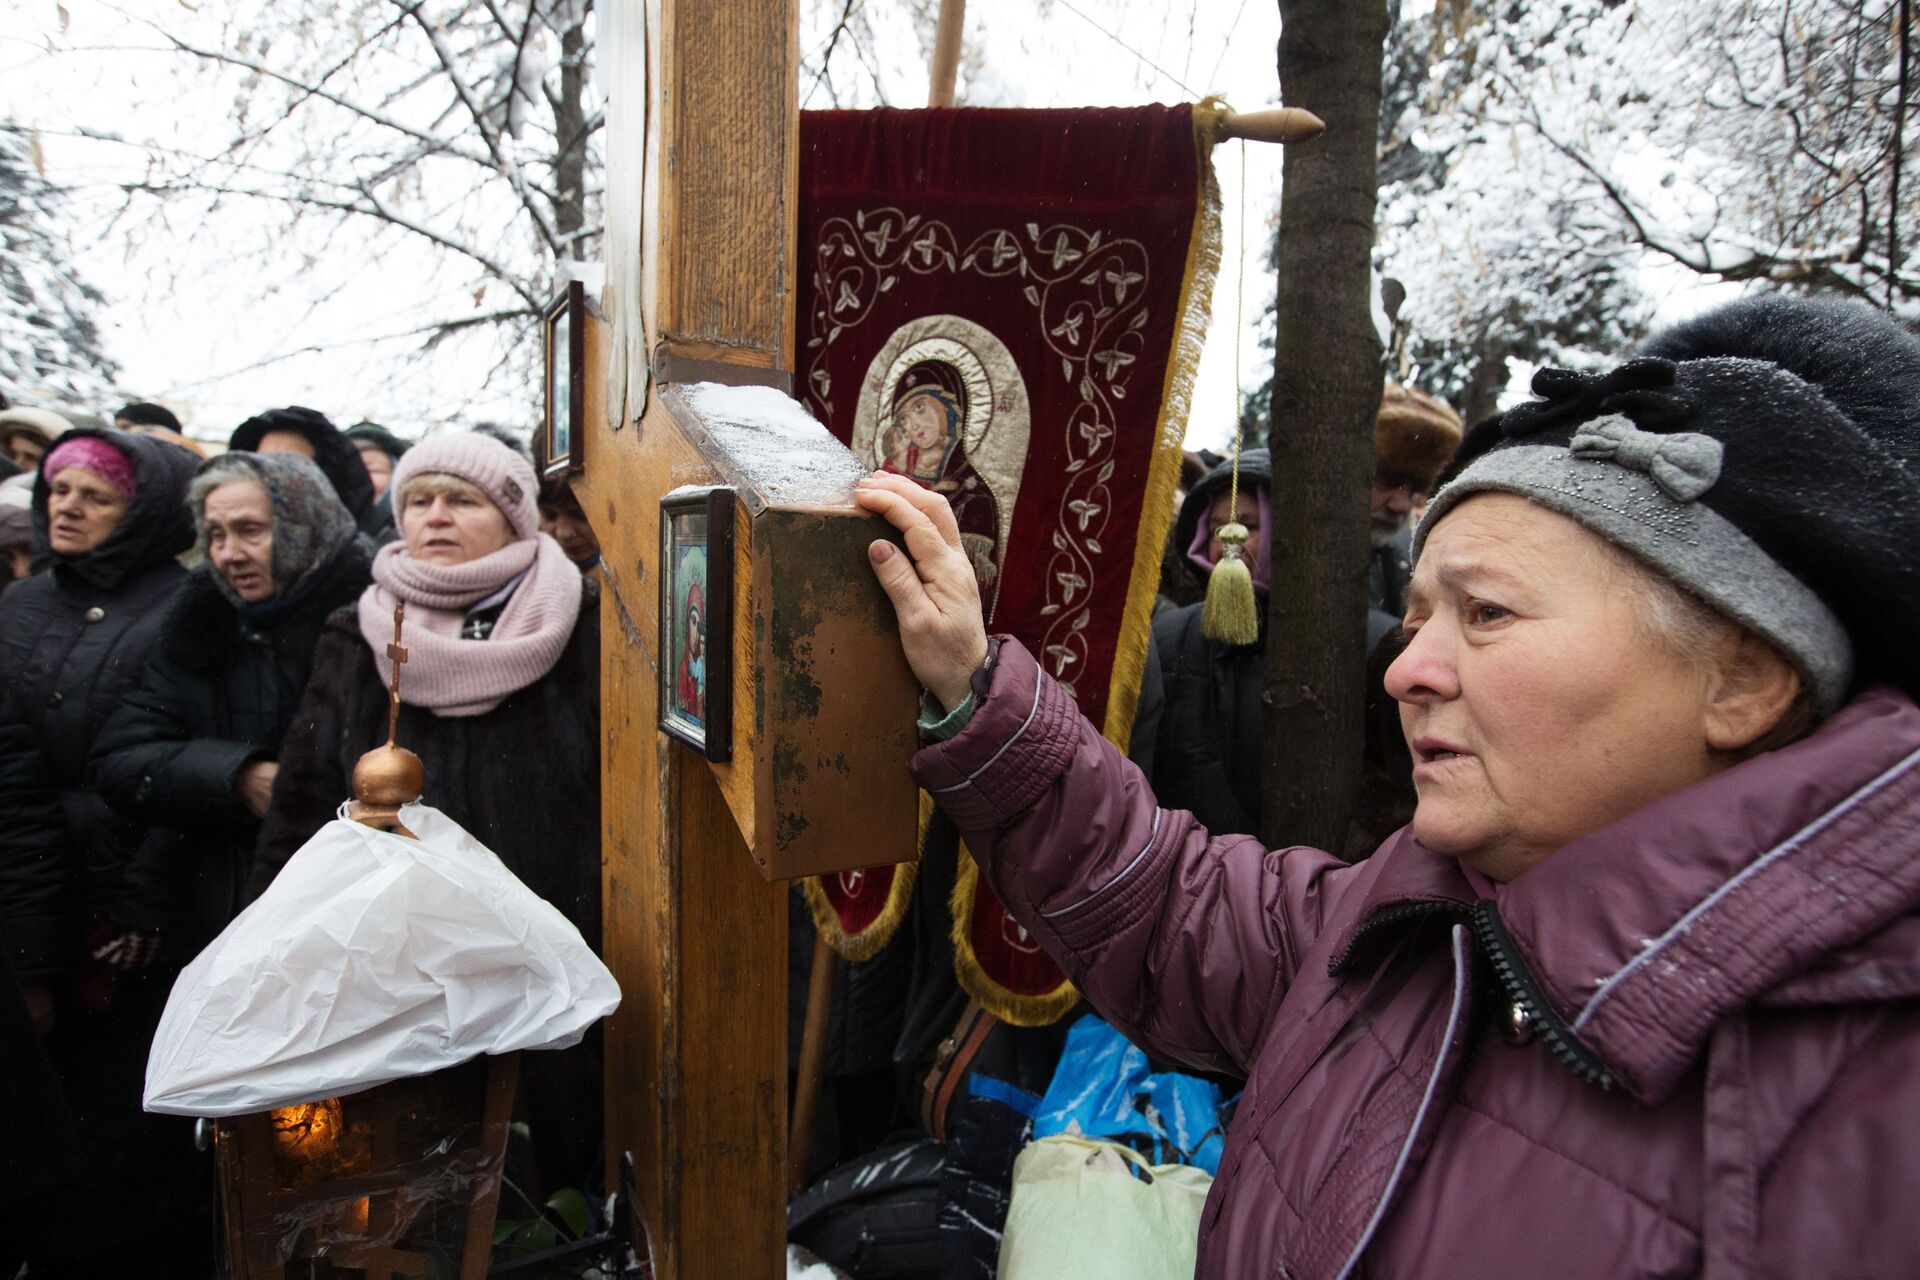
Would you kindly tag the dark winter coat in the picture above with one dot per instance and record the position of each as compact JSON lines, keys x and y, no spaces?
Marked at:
{"x":333,"y":453}
{"x":217,"y":695}
{"x":1688,"y":1043}
{"x":1389,"y":570}
{"x":524,"y":778}
{"x":39,"y":899}
{"x":1207,"y":757}
{"x":73,"y":640}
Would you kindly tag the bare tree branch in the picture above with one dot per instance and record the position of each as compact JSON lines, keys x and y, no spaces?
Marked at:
{"x":503,"y":159}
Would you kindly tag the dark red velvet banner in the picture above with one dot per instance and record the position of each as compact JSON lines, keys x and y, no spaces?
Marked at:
{"x":1002,"y":306}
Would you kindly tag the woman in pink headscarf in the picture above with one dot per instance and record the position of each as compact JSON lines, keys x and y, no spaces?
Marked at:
{"x":87,"y":945}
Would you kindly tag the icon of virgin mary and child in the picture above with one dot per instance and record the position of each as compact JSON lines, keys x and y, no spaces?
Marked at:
{"x":690,"y":683}
{"x":920,"y":439}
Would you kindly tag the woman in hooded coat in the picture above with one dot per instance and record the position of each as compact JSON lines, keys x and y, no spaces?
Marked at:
{"x":1637,"y":993}
{"x":193,"y":748}
{"x":110,"y":516}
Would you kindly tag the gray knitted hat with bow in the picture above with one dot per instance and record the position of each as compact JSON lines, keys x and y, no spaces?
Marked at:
{"x":1743,"y":482}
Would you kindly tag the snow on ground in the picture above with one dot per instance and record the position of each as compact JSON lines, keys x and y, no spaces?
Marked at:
{"x":802,"y":1265}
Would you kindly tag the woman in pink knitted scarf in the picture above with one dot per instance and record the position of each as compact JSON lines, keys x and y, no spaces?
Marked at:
{"x":500,"y":698}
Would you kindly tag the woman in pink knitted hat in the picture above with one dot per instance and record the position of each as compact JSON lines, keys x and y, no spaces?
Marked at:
{"x":500,"y":699}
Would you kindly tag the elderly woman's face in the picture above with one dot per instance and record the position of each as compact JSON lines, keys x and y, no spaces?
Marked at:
{"x":238,"y":516}
{"x":1537,"y":705}
{"x":448,"y":521}
{"x":82,"y":509}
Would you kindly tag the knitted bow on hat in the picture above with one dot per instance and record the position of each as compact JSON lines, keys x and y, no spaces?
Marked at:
{"x":1643,"y":390}
{"x":1684,"y":464}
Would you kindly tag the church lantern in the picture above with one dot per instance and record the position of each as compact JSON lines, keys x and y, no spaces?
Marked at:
{"x":400,"y":1180}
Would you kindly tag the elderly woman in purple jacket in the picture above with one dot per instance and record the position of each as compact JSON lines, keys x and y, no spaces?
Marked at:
{"x":1638,"y":991}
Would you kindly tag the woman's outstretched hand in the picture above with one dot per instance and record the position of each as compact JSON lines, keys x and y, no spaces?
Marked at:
{"x":932,"y":587}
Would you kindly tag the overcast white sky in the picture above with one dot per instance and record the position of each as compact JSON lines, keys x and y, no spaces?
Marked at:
{"x":186,"y":327}
{"x":191,"y":328}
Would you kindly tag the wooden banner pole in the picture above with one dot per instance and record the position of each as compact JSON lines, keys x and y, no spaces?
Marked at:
{"x":946,"y":53}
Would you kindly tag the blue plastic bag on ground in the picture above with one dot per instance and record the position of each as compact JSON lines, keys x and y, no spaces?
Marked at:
{"x":1105,"y":1087}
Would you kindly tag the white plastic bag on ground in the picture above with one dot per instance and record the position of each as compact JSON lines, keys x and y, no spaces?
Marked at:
{"x":372,"y":957}
{"x":1084,"y":1208}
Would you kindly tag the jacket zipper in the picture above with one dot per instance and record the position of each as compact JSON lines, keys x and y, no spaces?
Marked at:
{"x":1518,"y":986}
{"x":1398,"y":914}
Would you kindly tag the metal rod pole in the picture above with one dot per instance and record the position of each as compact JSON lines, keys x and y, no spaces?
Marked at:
{"x":813,"y":1064}
{"x":1899,"y":148}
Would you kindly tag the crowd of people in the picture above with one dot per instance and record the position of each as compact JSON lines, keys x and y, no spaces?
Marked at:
{"x":194,"y":641}
{"x":1617,"y":976}
{"x":192,"y":654}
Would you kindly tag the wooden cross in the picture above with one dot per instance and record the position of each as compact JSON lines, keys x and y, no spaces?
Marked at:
{"x":397,"y":654}
{"x":696,"y":1078}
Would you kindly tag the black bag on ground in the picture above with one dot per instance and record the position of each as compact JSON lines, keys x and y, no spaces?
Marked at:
{"x":876,"y":1217}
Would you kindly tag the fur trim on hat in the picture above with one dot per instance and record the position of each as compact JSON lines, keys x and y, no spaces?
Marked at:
{"x":1414,"y":435}
{"x":43,"y":424}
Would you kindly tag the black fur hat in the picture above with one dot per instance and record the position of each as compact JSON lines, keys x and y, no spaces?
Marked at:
{"x":144,"y":413}
{"x":1861,"y":360}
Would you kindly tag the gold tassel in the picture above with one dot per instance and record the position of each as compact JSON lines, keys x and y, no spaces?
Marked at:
{"x":1232,"y":615}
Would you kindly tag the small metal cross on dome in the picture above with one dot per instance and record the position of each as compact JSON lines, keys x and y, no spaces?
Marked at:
{"x":397,"y":653}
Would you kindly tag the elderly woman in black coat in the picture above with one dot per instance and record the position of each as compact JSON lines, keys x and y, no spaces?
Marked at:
{"x":109,"y":516}
{"x":193,"y":749}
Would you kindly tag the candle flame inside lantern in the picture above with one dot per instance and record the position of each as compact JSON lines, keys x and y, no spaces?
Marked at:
{"x":307,"y":1132}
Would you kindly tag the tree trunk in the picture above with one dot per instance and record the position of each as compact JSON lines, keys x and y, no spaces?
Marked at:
{"x":1326,"y":391}
{"x":570,"y":135}
{"x":1488,"y":380}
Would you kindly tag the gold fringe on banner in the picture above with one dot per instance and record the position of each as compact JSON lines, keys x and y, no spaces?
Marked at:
{"x":868,"y":942}
{"x":1008,"y":1006}
{"x":1163,"y":473}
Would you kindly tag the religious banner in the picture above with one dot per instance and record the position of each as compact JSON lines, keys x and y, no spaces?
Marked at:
{"x":1008,"y":307}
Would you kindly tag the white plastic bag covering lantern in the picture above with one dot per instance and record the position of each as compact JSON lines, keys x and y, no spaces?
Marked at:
{"x":372,"y":957}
